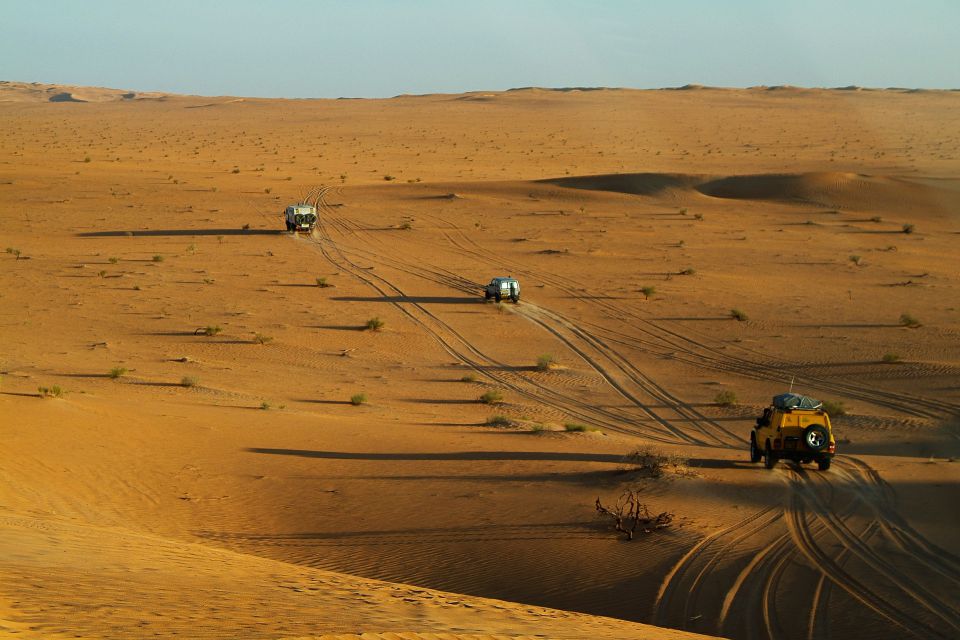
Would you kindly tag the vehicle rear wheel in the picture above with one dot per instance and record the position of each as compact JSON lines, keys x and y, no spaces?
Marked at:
{"x":755,"y":453}
{"x":486,"y":295}
{"x":768,"y":458}
{"x":815,"y":437}
{"x":823,"y":464}
{"x":497,"y":297}
{"x":516,"y":299}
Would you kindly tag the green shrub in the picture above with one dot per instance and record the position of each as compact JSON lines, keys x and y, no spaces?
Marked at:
{"x":856,"y":260}
{"x":189,"y":381}
{"x":907,"y":228}
{"x":357,"y":399}
{"x":834,"y":408}
{"x":738,"y":315}
{"x":469,"y":378}
{"x":259,"y":338}
{"x":725,"y":398}
{"x":209,"y":330}
{"x":655,"y":463}
{"x":322,"y":283}
{"x":890,"y":358}
{"x":688,"y":272}
{"x":546,"y":362}
{"x":374,"y":324}
{"x":647,"y":292}
{"x":491,"y":397}
{"x":51,"y":392}
{"x":117,"y":372}
{"x":158,"y":258}
{"x":908,"y":320}
{"x":265,"y":406}
{"x":499,"y":421}
{"x":113,"y":260}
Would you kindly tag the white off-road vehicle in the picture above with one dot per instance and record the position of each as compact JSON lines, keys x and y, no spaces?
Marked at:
{"x":500,"y":288}
{"x":301,"y":217}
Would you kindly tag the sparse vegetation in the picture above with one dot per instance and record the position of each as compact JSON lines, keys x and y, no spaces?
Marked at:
{"x":469,"y":378}
{"x":655,"y":463}
{"x":499,"y":421}
{"x":725,"y":398}
{"x":491,"y":397}
{"x":890,"y":358}
{"x":102,"y":273}
{"x":908,"y":320}
{"x":629,"y":515}
{"x":116,"y":372}
{"x":698,"y":216}
{"x":265,"y":406}
{"x":322,"y":283}
{"x":358,"y":399}
{"x":406,"y":226}
{"x":834,"y":408}
{"x":876,"y":219}
{"x":14,"y":252}
{"x":113,"y":260}
{"x":50,"y":392}
{"x":687,"y":272}
{"x":388,"y":177}
{"x":259,"y":338}
{"x":374,"y":324}
{"x":189,"y":381}
{"x":546,"y":362}
{"x":158,"y":258}
{"x":575,"y":427}
{"x":647,"y":292}
{"x":907,"y":228}
{"x":209,"y":330}
{"x":857,"y":260}
{"x":738,"y":315}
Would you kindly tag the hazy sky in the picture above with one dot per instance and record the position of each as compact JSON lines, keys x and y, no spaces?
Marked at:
{"x":297,"y":48}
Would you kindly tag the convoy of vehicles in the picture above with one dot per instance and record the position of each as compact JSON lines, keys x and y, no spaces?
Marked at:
{"x":794,"y":427}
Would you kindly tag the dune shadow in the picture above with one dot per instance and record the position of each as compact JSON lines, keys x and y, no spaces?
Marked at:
{"x":440,"y":401}
{"x":468,"y":456}
{"x":148,"y":233}
{"x":84,"y":375}
{"x":24,"y":395}
{"x":340,"y":327}
{"x":315,"y":401}
{"x":411,"y":299}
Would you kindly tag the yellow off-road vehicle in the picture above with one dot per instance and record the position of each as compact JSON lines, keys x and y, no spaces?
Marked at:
{"x":793,"y":427}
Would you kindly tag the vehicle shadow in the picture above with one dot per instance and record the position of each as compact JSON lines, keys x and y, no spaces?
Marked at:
{"x":453,"y":455}
{"x":181,"y":232}
{"x":411,"y":299}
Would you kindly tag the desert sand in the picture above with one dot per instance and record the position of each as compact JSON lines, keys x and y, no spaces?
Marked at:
{"x":158,"y":481}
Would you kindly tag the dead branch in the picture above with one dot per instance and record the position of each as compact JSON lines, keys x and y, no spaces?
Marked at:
{"x":629,"y":515}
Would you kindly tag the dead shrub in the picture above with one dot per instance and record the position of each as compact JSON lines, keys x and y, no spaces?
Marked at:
{"x":629,"y":514}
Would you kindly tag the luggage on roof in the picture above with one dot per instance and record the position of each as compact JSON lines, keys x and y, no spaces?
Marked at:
{"x":788,"y":401}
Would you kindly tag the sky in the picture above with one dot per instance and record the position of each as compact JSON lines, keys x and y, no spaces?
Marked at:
{"x":381,"y":48}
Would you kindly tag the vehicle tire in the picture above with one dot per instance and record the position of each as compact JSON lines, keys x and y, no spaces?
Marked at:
{"x":755,"y":453}
{"x":823,"y":464}
{"x":769,"y":460}
{"x":816,"y":437}
{"x":516,"y":299}
{"x":486,"y":295}
{"x":497,"y":297}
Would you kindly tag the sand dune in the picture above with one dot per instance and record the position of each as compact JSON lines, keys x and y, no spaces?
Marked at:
{"x":160,"y":478}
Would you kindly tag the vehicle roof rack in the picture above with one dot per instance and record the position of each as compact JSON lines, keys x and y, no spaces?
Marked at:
{"x":787,"y":401}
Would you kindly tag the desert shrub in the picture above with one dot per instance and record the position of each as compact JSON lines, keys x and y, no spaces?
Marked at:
{"x":406,"y":226}
{"x":102,"y":273}
{"x":50,"y":392}
{"x":265,"y":406}
{"x":856,"y":260}
{"x":647,"y":292}
{"x":259,"y":338}
{"x":469,"y":378}
{"x":683,"y":211}
{"x":189,"y":381}
{"x":113,"y":260}
{"x":388,"y":178}
{"x":235,"y":170}
{"x":725,"y":398}
{"x":209,"y":330}
{"x":655,"y":463}
{"x":698,"y":216}
{"x":546,"y":362}
{"x":499,"y":421}
{"x":687,"y":272}
{"x":116,"y":372}
{"x":834,"y":407}
{"x":267,"y":190}
{"x":358,"y":399}
{"x":87,"y":159}
{"x":890,"y":358}
{"x":538,"y":428}
{"x":629,"y":514}
{"x":491,"y":397}
{"x":574,"y":427}
{"x":374,"y":324}
{"x":908,"y":320}
{"x":322,"y":283}
{"x":158,"y":258}
{"x":245,"y":227}
{"x":907,"y":228}
{"x":738,"y":315}
{"x":876,"y":219}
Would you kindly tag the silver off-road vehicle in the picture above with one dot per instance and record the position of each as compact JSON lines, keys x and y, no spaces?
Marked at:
{"x":500,"y":288}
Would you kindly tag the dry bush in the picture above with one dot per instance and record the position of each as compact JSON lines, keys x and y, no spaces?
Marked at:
{"x":656,"y":463}
{"x":630,"y":514}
